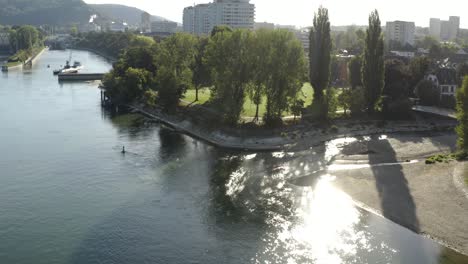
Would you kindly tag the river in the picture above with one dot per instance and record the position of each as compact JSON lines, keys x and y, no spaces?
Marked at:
{"x":67,"y":194}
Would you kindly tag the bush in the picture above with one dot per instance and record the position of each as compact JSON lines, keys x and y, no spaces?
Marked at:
{"x":358,"y":102}
{"x":427,"y":92}
{"x":150,"y":98}
{"x":448,"y":101}
{"x":399,"y":108}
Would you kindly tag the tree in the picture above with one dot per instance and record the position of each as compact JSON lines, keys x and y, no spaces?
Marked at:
{"x":320,"y":52}
{"x":462,"y":71}
{"x":462,"y":116}
{"x":418,"y":68}
{"x":427,"y":92}
{"x":286,"y":68}
{"x":220,"y":29}
{"x":201,"y":70}
{"x":227,"y":55}
{"x":260,"y":54}
{"x":354,"y":68}
{"x":296,"y":108}
{"x":174,"y":74}
{"x":373,"y":63}
{"x":344,"y":99}
{"x":427,"y":42}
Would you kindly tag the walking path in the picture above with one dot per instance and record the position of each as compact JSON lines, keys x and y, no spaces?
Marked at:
{"x":435,"y":110}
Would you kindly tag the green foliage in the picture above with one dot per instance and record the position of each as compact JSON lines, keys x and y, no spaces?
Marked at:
{"x":345,"y":99}
{"x":174,"y":75}
{"x":441,"y":158}
{"x":354,"y":69}
{"x":220,"y":29}
{"x":320,"y":52}
{"x":200,"y":68}
{"x":373,"y":63}
{"x":296,"y":108}
{"x":228,"y":57}
{"x":351,"y":40}
{"x":150,"y":97}
{"x":331,"y":103}
{"x":427,"y":92}
{"x":427,"y":42}
{"x":358,"y":101}
{"x":141,"y":41}
{"x":396,"y":103}
{"x":462,"y":71}
{"x":418,"y":68}
{"x":462,"y":116}
{"x":286,"y":69}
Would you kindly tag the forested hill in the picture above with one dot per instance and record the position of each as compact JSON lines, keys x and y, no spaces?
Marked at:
{"x":131,"y":15}
{"x":39,"y":12}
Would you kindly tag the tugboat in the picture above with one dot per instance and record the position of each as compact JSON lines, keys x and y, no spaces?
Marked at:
{"x":69,"y":68}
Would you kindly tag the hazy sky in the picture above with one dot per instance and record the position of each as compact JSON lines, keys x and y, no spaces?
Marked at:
{"x":300,"y":12}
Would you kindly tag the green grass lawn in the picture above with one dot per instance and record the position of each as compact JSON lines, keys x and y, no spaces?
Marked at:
{"x":307,"y":94}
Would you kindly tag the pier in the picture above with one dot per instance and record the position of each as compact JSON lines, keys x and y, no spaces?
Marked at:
{"x":80,"y":76}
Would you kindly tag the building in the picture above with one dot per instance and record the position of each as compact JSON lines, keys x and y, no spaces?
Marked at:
{"x":201,"y":19}
{"x":434,"y":27}
{"x":264,"y":25}
{"x":304,"y":36}
{"x":445,"y":79}
{"x":145,"y":25}
{"x":445,"y":30}
{"x":118,"y":27}
{"x":400,"y":32}
{"x":164,"y":26}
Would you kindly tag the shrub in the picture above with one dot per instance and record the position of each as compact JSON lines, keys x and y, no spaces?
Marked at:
{"x":358,"y":102}
{"x":427,"y":92}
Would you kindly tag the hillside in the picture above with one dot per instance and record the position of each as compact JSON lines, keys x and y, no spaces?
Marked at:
{"x":128,"y":14}
{"x":39,"y":12}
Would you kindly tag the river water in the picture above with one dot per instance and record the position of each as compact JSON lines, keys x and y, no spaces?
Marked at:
{"x":67,"y":194}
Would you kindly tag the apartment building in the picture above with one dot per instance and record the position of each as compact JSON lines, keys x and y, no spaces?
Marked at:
{"x":401,"y":32}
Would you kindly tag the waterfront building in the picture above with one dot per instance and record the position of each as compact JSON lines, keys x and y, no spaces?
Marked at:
{"x":201,"y":19}
{"x":400,"y":32}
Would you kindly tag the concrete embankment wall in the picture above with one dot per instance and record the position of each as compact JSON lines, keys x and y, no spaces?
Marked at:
{"x":31,"y":61}
{"x":107,"y":57}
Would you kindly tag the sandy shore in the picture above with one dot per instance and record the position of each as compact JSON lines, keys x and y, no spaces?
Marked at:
{"x":427,"y":199}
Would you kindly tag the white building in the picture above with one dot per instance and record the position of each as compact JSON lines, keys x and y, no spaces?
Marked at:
{"x":201,"y":19}
{"x":400,"y":32}
{"x":445,"y":30}
{"x":164,"y":26}
{"x":446,"y":81}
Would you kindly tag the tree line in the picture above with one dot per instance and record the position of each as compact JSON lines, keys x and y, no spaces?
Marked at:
{"x":23,"y":41}
{"x":265,"y":65}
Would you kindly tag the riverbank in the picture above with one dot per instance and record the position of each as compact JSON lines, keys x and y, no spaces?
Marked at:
{"x":294,"y":137}
{"x":389,"y":177}
{"x":19,"y":65}
{"x":110,"y":58}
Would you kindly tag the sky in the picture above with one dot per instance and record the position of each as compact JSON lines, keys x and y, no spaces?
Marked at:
{"x":300,"y":12}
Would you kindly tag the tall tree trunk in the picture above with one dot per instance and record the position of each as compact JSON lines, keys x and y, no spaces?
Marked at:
{"x":256,"y":113}
{"x":196,"y":93}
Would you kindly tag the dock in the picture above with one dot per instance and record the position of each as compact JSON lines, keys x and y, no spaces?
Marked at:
{"x":80,"y":76}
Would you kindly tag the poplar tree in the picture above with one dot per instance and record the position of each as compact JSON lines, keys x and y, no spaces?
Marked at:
{"x":373,"y":63}
{"x":462,"y":116}
{"x":320,"y":52}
